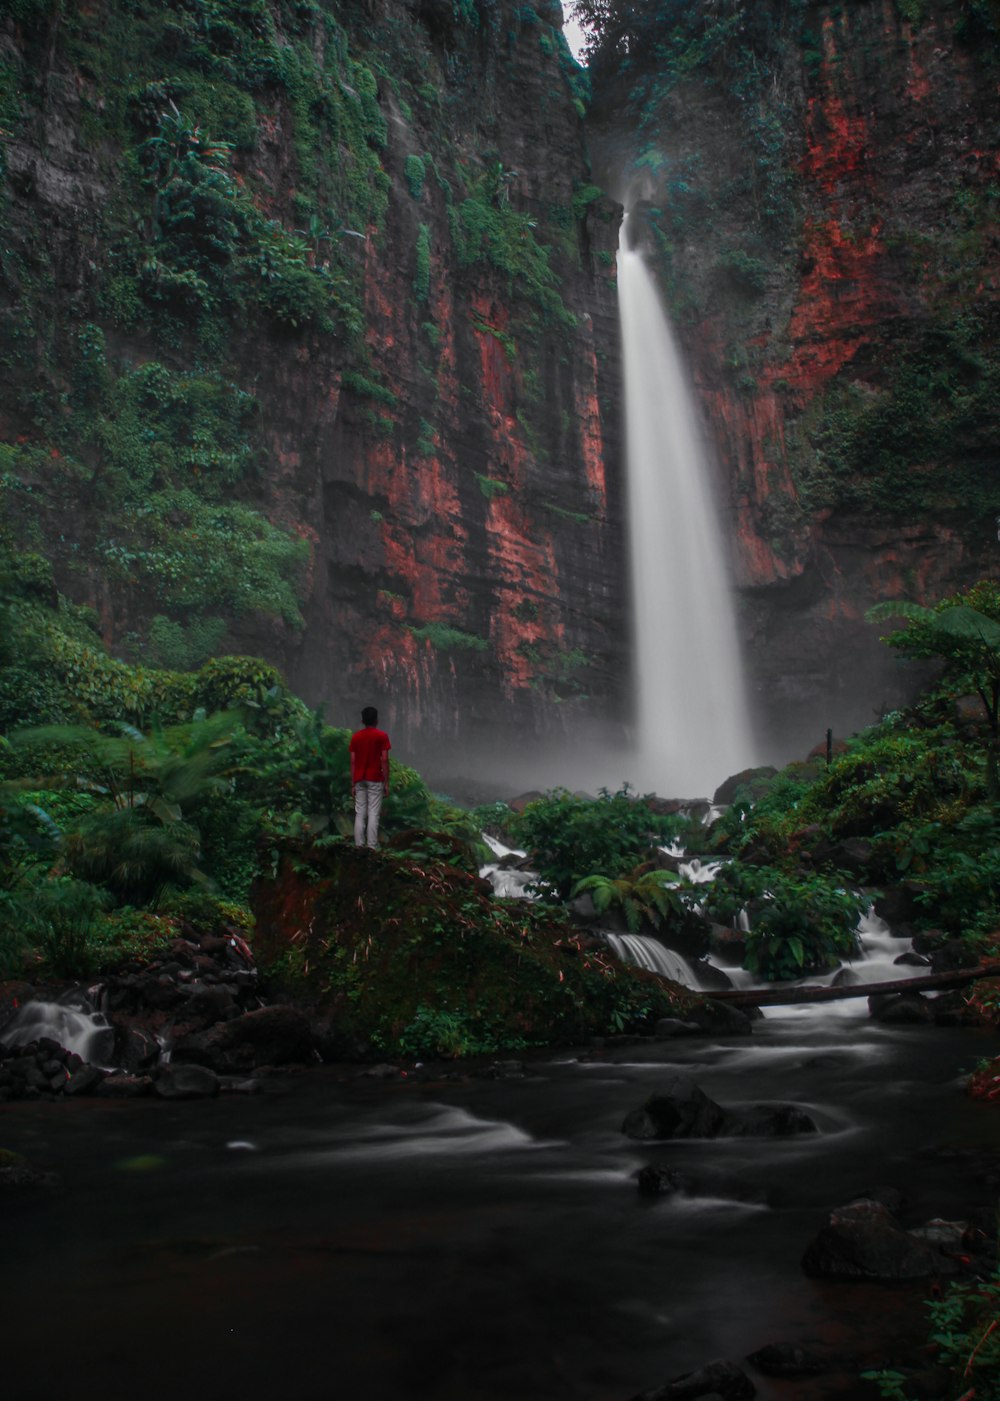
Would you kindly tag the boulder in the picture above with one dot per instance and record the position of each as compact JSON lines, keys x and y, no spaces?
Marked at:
{"x":900,"y":1008}
{"x":84,"y":1081}
{"x":680,"y":1110}
{"x":722,"y":1379}
{"x":186,"y":1082}
{"x":954,"y":954}
{"x":720,"y":1019}
{"x":768,"y":1121}
{"x":727,"y":945}
{"x":899,"y":904}
{"x":683,"y":1110}
{"x":790,"y":1360}
{"x":139,"y":1049}
{"x":709,"y":976}
{"x":864,"y":1241}
{"x":277,"y":1035}
{"x":755,"y":781}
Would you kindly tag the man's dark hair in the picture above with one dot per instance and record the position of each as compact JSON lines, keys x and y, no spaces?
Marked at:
{"x":369,"y":715}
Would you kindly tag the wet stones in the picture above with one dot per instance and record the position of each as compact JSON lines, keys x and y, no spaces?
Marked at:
{"x":680,"y":1110}
{"x":791,"y":1360}
{"x":716,"y":1380}
{"x":683,"y":1110}
{"x":864,"y":1240}
{"x":42,"y":1069}
{"x":186,"y":1082}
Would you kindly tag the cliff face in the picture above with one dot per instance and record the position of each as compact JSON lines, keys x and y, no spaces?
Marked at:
{"x":311,"y":350}
{"x":820,"y":190}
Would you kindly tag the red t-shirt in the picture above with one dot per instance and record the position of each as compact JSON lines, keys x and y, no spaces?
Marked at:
{"x":368,"y":746}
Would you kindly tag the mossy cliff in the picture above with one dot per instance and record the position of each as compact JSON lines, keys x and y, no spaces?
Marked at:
{"x":817,"y":186}
{"x":308,"y":347}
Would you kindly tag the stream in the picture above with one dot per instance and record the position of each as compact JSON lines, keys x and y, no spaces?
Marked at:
{"x":463,"y":1237}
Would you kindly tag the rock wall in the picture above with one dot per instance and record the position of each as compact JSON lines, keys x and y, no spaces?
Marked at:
{"x":820,"y":190}
{"x":379,"y":443}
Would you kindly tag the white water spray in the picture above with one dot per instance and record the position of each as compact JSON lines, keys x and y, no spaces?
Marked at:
{"x":693,"y":730}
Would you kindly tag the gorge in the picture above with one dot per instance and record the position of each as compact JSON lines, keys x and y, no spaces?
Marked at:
{"x":337,"y":374}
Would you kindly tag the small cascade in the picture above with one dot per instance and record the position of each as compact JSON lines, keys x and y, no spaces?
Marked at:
{"x":644,"y":952}
{"x":73,"y":1027}
{"x":880,"y":949}
{"x":508,"y":882}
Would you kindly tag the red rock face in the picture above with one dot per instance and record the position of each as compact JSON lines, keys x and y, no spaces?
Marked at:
{"x":886,"y":130}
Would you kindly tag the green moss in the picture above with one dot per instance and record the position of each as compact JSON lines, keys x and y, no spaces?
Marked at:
{"x":445,"y":638}
{"x":491,"y":486}
{"x":415,"y":175}
{"x":422,"y":276}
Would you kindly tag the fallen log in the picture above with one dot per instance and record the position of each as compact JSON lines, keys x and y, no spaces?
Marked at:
{"x":778,"y":997}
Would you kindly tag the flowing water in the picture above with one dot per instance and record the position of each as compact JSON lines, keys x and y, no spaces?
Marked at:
{"x":474,"y":1239}
{"x":693,"y":729}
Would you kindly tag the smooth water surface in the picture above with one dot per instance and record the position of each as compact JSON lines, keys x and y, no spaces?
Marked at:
{"x":470,"y":1238}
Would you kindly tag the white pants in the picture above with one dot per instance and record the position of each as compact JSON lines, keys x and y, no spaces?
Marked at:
{"x":367,"y":808}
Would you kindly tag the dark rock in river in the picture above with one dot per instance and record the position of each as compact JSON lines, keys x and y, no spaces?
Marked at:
{"x":722,"y":1379}
{"x":661,"y":1181}
{"x":900,"y":1008}
{"x":768,"y":1121}
{"x":186,"y":1082}
{"x":954,"y":954}
{"x":84,"y":1081}
{"x":864,"y":1241}
{"x":720,"y":1019}
{"x":683,"y":1110}
{"x":790,"y":1360}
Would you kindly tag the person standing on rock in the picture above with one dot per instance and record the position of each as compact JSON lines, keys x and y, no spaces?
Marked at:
{"x":369,"y":749}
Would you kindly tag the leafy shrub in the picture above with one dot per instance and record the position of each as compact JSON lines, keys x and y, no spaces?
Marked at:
{"x":798,"y":923}
{"x":571,"y":837}
{"x":644,"y":897}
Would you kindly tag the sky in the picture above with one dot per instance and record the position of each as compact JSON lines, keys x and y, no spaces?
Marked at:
{"x":574,"y":34}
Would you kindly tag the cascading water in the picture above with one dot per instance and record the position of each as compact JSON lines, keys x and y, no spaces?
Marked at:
{"x":693,"y":729}
{"x":643,"y":952}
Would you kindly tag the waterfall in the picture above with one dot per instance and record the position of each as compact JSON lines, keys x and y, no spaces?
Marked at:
{"x":643,"y":952}
{"x":693,"y":730}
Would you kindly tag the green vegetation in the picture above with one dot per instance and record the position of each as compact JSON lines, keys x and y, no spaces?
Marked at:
{"x":918,"y":790}
{"x":486,"y":228}
{"x":643,"y":896}
{"x":445,"y":638}
{"x":154,"y":799}
{"x":573,"y":837}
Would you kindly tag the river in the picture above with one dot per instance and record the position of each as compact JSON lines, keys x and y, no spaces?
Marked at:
{"x":470,"y":1239}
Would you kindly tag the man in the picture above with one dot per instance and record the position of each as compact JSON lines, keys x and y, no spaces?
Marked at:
{"x":369,"y":751}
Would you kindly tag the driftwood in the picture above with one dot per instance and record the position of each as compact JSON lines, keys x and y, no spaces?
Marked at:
{"x":777,"y":997}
